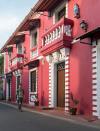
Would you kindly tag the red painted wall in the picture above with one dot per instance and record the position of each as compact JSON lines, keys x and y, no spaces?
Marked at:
{"x":80,"y":56}
{"x":13,"y":89}
{"x":80,"y":76}
{"x":43,"y":77}
{"x":88,"y":11}
{"x":43,"y":82}
{"x":25,"y":73}
{"x":25,"y":84}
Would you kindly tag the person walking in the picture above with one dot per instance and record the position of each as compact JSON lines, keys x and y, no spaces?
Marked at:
{"x":20,"y":95}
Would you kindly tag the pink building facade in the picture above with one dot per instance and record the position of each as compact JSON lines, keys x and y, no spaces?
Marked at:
{"x":54,"y":53}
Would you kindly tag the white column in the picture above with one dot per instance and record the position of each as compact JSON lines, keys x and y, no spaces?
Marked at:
{"x":97,"y":92}
{"x":94,"y":80}
{"x":67,"y":88}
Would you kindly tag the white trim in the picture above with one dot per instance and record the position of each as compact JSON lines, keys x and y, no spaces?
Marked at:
{"x":31,"y":34}
{"x":18,"y":45}
{"x":94,"y":49}
{"x":95,"y":114}
{"x":32,"y":93}
{"x":4,"y":80}
{"x":7,"y":90}
{"x":9,"y":63}
{"x":94,"y":78}
{"x":67,"y":82}
{"x":94,"y":86}
{"x":50,"y":85}
{"x":17,"y":81}
{"x":53,"y":79}
{"x":98,"y":78}
{"x":57,"y":9}
{"x":5,"y":55}
{"x":94,"y":108}
{"x":94,"y":65}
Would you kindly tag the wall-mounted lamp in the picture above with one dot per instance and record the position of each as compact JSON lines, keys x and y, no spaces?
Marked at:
{"x":84,"y":25}
{"x":76,"y":10}
{"x":17,"y":72}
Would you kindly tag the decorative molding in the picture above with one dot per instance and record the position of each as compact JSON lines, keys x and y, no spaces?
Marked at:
{"x":31,"y":94}
{"x":64,"y":56}
{"x":98,"y":78}
{"x":57,"y":56}
{"x":94,"y":80}
{"x":50,"y":90}
{"x":67,"y":80}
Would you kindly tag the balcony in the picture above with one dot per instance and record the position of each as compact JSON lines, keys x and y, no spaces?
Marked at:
{"x":16,"y":62}
{"x":34,"y":53}
{"x":58,"y":36}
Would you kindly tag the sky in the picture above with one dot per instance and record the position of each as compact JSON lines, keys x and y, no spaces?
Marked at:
{"x":12,"y":12}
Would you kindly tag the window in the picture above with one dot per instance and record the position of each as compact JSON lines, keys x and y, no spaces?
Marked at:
{"x":10,"y":50}
{"x":33,"y":81}
{"x":20,"y":49}
{"x":33,"y":39}
{"x":61,"y":13}
{"x":9,"y":54}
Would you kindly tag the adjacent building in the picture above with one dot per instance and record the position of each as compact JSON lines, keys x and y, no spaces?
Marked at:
{"x":55,"y":54}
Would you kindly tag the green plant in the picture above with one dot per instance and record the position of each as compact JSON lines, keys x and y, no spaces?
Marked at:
{"x":36,"y":101}
{"x":75,"y":102}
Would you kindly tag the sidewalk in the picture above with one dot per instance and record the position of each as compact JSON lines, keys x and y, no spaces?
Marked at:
{"x":58,"y":114}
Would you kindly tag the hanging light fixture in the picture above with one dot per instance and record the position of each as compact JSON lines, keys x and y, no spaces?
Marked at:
{"x":84,"y":25}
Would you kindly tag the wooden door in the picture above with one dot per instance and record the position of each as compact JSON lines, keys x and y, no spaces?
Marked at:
{"x":61,"y":84}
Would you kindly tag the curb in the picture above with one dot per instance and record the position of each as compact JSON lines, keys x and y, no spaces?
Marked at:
{"x":81,"y":122}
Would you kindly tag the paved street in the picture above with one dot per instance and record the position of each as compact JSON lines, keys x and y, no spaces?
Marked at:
{"x":13,"y":120}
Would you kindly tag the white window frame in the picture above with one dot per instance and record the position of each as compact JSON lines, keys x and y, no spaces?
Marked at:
{"x":31,"y":47}
{"x":35,"y":69}
{"x":58,"y":9}
{"x":7,"y":90}
{"x":20,"y":44}
{"x":31,"y":37}
{"x":9,"y":62}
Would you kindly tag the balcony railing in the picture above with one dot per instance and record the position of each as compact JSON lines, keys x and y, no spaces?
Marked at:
{"x":58,"y":35}
{"x":16,"y":61}
{"x":33,"y":53}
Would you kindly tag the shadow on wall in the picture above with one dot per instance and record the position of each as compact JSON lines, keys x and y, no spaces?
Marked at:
{"x":80,"y":76}
{"x":81,"y":61}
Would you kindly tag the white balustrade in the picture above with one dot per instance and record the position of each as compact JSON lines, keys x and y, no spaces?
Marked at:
{"x":34,"y":53}
{"x":16,"y":60}
{"x":57,"y":33}
{"x":68,"y":30}
{"x":20,"y":59}
{"x":54,"y":35}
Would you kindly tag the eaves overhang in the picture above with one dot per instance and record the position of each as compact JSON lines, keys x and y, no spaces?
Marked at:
{"x":46,"y":5}
{"x":90,"y":34}
{"x":30,"y":24}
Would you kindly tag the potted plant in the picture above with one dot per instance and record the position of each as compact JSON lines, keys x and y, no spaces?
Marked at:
{"x":36,"y":101}
{"x":73,"y":108}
